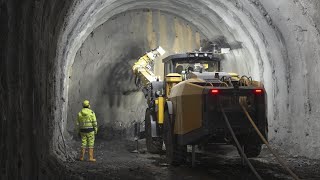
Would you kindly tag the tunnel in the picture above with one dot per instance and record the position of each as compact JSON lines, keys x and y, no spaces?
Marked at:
{"x":54,"y":54}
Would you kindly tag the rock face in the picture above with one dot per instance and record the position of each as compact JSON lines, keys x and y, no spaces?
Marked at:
{"x":44,"y":46}
{"x":102,"y":69}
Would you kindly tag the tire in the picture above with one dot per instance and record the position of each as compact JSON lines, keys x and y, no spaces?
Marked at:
{"x":175,"y":154}
{"x":252,"y":150}
{"x":154,"y":145}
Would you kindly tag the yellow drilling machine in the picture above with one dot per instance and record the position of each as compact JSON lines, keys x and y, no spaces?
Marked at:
{"x":188,"y":106}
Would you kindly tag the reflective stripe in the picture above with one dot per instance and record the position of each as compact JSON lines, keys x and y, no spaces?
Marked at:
{"x":84,"y":125}
{"x":85,"y":122}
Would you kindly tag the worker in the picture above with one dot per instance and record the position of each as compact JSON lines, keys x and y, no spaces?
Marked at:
{"x":179,"y":69}
{"x":87,"y":127}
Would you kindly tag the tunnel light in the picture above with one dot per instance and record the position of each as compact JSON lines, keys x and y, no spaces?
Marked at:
{"x":214,"y":91}
{"x":161,"y":50}
{"x":225,"y":50}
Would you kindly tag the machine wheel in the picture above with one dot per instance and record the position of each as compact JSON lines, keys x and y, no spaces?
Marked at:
{"x":252,"y":150}
{"x":154,"y":145}
{"x":175,"y":154}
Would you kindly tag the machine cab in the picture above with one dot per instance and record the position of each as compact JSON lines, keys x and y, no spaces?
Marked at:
{"x":180,"y":67}
{"x":199,"y":62}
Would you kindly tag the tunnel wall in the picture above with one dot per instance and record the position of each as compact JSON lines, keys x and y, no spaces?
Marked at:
{"x":102,"y":70}
{"x":28,"y":41}
{"x":298,"y":22}
{"x":39,"y":37}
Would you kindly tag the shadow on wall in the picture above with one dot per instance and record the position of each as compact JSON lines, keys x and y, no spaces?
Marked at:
{"x":119,"y":88}
{"x":114,"y":97}
{"x":119,"y":80}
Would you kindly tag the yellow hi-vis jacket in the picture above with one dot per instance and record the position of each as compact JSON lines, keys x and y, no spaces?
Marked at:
{"x":86,"y":120}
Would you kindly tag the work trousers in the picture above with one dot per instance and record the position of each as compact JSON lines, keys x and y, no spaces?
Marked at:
{"x":87,"y":139}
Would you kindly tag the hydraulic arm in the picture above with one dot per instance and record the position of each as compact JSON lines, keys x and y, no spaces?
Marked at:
{"x":143,"y":68}
{"x":145,"y":79}
{"x":152,"y":87}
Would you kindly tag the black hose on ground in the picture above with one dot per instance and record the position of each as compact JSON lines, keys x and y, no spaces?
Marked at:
{"x":238,"y":145}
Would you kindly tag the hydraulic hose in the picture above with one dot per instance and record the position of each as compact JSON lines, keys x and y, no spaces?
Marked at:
{"x":226,"y":85}
{"x":284,"y":165}
{"x":238,"y":145}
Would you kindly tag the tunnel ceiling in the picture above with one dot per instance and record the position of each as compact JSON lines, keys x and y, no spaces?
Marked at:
{"x":268,"y":53}
{"x":40,"y":40}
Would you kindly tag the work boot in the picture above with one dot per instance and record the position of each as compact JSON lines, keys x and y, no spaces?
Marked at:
{"x":83,"y":151}
{"x":91,"y":155}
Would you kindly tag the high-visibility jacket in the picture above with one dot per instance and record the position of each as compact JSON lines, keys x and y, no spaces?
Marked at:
{"x":87,"y":119}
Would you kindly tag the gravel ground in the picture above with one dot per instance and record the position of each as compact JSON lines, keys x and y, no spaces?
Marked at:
{"x":115,"y":160}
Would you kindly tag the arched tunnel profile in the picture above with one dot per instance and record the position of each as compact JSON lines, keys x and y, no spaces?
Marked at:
{"x":54,"y":54}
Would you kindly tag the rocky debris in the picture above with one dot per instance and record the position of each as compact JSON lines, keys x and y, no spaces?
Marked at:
{"x":115,"y":161}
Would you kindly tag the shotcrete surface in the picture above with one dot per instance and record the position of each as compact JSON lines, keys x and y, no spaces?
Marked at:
{"x":102,"y":70}
{"x":39,"y":41}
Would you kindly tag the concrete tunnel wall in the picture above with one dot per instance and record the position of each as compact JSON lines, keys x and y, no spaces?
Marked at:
{"x":102,"y":70}
{"x":39,"y":41}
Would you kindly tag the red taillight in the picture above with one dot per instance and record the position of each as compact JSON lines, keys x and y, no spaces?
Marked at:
{"x":214,"y":91}
{"x":258,"y":91}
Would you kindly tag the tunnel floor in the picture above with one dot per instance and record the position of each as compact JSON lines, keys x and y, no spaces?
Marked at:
{"x":115,"y":160}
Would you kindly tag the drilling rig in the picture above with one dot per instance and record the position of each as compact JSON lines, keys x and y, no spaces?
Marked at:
{"x":185,"y":107}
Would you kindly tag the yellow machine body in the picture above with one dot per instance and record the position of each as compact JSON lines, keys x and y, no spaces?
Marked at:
{"x":186,"y":98}
{"x":171,"y":80}
{"x":185,"y":108}
{"x":160,"y":104}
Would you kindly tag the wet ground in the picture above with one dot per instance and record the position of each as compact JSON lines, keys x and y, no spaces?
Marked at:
{"x":115,"y":160}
